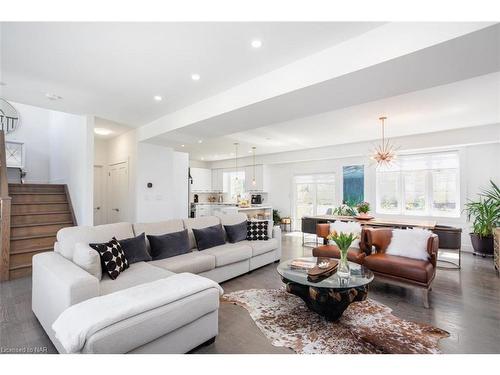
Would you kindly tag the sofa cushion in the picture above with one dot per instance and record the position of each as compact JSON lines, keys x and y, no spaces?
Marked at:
{"x":138,"y":273}
{"x":262,"y":247}
{"x":232,"y":219}
{"x":88,"y":259}
{"x":68,"y":237}
{"x":113,"y":259}
{"x":169,"y":244}
{"x":229,"y":253}
{"x":198,"y":223}
{"x":237,"y":232}
{"x":135,"y":249}
{"x":413,"y":269}
{"x":194,"y":262}
{"x":257,"y":230}
{"x":209,"y":237}
{"x":157,"y":228}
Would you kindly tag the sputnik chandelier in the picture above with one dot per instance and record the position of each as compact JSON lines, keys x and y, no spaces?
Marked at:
{"x":385,"y":153}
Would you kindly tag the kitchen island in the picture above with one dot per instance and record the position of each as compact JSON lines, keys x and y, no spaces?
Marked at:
{"x":255,"y":212}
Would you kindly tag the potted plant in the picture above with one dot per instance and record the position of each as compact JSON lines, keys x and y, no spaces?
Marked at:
{"x":485,"y":216}
{"x":363,"y":209}
{"x":344,"y":210}
{"x":343,"y":242}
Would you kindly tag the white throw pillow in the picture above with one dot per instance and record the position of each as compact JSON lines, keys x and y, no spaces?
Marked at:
{"x":410,"y":243}
{"x":348,"y":227}
{"x":88,"y":259}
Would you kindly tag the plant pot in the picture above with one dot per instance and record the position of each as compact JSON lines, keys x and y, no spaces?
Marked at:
{"x":482,"y":245}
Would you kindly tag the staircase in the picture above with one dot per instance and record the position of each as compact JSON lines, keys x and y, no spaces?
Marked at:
{"x":38,"y":211}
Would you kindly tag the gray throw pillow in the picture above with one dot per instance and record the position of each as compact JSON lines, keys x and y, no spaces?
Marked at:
{"x":236,"y":233}
{"x":209,"y":237}
{"x":169,"y":244}
{"x":135,"y":249}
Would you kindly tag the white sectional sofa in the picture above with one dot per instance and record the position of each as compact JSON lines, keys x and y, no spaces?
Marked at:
{"x":176,"y":328}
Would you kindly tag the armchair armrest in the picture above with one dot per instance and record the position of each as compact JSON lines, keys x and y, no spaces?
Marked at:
{"x":432,"y":248}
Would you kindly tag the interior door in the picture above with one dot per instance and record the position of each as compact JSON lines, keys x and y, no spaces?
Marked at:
{"x":99,"y":211}
{"x":118,"y":192}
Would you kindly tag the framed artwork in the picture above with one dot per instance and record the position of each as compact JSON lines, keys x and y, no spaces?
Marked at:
{"x":14,"y":154}
{"x":354,"y":184}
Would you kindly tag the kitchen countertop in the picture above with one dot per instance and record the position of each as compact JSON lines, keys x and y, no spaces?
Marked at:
{"x":255,"y":208}
{"x":215,"y":203}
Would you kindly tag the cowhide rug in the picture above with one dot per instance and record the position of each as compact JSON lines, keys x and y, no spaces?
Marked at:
{"x":365,"y":327}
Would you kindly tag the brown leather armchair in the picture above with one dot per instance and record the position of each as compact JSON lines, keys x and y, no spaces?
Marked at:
{"x":332,"y":251}
{"x":396,"y":269}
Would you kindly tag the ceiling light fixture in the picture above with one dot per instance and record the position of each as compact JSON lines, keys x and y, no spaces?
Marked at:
{"x":256,"y":43}
{"x":52,"y":96}
{"x":200,"y":141}
{"x":202,"y":158}
{"x":158,"y":98}
{"x":195,"y":77}
{"x":385,"y":153}
{"x":102,"y":131}
{"x":183,"y":145}
{"x":253,"y":154}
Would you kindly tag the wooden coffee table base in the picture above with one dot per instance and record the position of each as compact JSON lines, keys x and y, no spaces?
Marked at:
{"x":330,"y":303}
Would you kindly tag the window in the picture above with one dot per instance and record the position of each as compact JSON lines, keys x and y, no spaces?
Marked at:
{"x":313,"y":195}
{"x":234,"y":184}
{"x":424,"y":184}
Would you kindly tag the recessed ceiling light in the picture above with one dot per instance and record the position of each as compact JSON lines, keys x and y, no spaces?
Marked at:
{"x":102,"y":131}
{"x":200,"y":141}
{"x":183,"y":145}
{"x":256,"y":43}
{"x":195,"y":77}
{"x":250,"y":151}
{"x":158,"y":98}
{"x":202,"y":158}
{"x":52,"y":96}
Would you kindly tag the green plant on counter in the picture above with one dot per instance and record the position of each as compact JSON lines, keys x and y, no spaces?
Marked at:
{"x":485,"y":212}
{"x":363,"y":207}
{"x":344,"y":210}
{"x":276,"y":217}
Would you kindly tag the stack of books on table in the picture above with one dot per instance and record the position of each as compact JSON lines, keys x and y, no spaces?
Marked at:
{"x":302,"y":264}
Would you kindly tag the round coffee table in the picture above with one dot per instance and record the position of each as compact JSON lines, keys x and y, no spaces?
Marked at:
{"x":330,"y":296}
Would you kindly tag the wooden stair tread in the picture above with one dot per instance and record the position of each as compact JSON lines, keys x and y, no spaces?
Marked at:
{"x":24,"y":251}
{"x":36,"y":193}
{"x":36,"y":203}
{"x":33,"y":237}
{"x":41,"y":213}
{"x":36,"y":185}
{"x":26,"y":265}
{"x":41,"y":224}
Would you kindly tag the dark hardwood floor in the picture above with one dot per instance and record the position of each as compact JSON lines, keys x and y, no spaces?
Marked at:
{"x":466,"y":303}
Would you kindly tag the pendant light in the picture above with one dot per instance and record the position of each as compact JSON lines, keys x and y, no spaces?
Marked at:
{"x":236,"y":158}
{"x":385,"y":153}
{"x":253,"y":180}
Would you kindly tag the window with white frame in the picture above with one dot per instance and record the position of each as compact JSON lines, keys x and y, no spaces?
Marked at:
{"x":234,"y":184}
{"x":313,"y":195}
{"x":421,"y":184}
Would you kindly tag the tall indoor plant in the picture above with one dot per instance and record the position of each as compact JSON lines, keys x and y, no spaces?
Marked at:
{"x":485,"y":216}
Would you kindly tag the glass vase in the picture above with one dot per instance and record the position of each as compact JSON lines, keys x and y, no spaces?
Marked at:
{"x":343,"y":269}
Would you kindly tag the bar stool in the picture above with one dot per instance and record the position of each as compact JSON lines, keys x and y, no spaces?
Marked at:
{"x":286,"y":221}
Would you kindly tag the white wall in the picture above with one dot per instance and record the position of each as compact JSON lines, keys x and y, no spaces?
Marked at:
{"x":71,"y":160}
{"x":34,"y":133}
{"x":167,"y":171}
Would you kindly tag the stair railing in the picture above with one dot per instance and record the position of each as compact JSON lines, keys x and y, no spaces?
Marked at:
{"x":5,"y":206}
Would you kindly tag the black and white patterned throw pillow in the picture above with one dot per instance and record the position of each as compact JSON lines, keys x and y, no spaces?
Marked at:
{"x":257,"y":230}
{"x":113,"y":259}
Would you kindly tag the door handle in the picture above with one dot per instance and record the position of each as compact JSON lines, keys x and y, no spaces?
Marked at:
{"x":98,"y":208}
{"x":116,"y":209}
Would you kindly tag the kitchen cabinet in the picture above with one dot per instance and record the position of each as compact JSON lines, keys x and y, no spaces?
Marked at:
{"x":202,"y":180}
{"x":217,"y":180}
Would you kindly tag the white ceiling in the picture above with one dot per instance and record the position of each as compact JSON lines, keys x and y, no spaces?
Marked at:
{"x":467,"y":103}
{"x":115,"y":128}
{"x":113,"y":70}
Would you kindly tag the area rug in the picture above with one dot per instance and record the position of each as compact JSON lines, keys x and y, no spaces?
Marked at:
{"x":365,"y":327}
